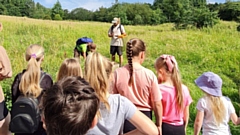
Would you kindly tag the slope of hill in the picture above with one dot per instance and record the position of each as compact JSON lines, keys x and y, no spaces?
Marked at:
{"x":209,"y":49}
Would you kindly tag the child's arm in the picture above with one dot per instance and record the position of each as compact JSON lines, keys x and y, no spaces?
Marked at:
{"x":143,"y":124}
{"x":198,"y":122}
{"x":235,"y":119}
{"x":186,"y":117}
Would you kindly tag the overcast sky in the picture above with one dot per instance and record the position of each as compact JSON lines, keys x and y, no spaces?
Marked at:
{"x":94,"y":4}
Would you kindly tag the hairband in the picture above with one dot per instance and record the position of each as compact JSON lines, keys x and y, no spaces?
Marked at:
{"x":33,"y":56}
{"x":170,"y":61}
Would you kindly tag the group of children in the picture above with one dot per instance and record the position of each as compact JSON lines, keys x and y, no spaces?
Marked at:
{"x":101,"y":101}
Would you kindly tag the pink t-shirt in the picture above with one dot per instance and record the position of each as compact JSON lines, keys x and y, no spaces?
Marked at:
{"x":170,"y":112}
{"x":144,"y":89}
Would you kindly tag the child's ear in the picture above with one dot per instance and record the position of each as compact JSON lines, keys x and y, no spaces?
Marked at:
{"x":94,"y":122}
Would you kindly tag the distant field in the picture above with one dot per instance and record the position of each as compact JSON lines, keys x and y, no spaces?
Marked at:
{"x":211,"y":49}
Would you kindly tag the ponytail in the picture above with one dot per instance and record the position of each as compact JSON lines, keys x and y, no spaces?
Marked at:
{"x":29,"y":84}
{"x":176,"y":79}
{"x":30,"y":80}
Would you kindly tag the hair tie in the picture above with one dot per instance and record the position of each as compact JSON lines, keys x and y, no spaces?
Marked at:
{"x":170,"y":61}
{"x":33,"y":56}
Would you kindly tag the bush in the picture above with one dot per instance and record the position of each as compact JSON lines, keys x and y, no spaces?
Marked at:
{"x":57,"y":17}
{"x":47,"y":17}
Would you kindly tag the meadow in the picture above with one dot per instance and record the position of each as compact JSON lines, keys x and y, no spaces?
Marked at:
{"x":214,"y":49}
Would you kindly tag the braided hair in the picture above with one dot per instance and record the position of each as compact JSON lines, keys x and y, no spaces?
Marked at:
{"x":134,"y":47}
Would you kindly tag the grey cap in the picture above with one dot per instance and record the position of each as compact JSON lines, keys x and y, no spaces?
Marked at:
{"x":210,"y":83}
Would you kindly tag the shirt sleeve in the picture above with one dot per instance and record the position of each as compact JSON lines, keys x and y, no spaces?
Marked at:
{"x":129,"y":108}
{"x":187,"y":98}
{"x":123,"y":29}
{"x":46,"y":82}
{"x":201,"y":105}
{"x":156,"y":93}
{"x":231,"y":108}
{"x":84,"y":47}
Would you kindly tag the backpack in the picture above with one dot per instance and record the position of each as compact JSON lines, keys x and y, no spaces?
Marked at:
{"x":25,"y":114}
{"x":84,"y":40}
{"x":119,"y":27}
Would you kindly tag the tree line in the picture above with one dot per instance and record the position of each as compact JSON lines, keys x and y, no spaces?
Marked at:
{"x":183,"y":13}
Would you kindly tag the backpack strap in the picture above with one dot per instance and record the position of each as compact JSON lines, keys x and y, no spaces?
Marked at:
{"x":42,"y":76}
{"x":119,"y":27}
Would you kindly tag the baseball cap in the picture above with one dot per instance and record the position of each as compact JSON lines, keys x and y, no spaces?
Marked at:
{"x":115,"y":20}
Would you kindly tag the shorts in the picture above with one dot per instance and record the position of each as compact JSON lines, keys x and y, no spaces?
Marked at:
{"x":116,"y":49}
{"x":3,"y":110}
{"x":168,"y":129}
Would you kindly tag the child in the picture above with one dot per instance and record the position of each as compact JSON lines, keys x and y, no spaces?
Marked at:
{"x":175,"y":96}
{"x":138,"y":83}
{"x":69,"y":67}
{"x":114,"y":109}
{"x":213,"y":110}
{"x":84,"y":46}
{"x":32,"y":81}
{"x":5,"y":72}
{"x":70,"y":107}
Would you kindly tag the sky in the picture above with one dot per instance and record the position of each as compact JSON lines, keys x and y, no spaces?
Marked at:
{"x":95,"y":4}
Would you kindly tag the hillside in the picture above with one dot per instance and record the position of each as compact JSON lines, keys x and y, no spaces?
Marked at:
{"x":210,"y":49}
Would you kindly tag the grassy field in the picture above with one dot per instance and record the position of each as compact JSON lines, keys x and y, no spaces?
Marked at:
{"x":211,"y":49}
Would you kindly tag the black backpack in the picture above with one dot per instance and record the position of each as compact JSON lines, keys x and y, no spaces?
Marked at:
{"x":25,"y":114}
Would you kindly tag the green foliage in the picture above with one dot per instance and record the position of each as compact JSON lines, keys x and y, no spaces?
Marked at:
{"x":57,"y":17}
{"x":80,"y":14}
{"x":230,"y":11}
{"x":57,"y":9}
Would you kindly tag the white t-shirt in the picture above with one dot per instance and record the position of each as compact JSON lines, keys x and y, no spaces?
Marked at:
{"x":111,"y":123}
{"x":117,"y":30}
{"x":209,"y":126}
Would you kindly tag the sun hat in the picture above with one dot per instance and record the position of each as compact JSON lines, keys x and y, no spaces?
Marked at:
{"x":115,"y":20}
{"x":210,"y":83}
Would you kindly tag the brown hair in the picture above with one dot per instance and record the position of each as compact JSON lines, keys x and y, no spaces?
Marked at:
{"x":69,"y":67}
{"x":69,"y":107}
{"x":91,"y":47}
{"x":29,"y":84}
{"x":175,"y":77}
{"x":134,"y":47}
{"x":97,"y":72}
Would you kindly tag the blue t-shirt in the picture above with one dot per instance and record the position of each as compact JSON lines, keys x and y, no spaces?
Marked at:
{"x":111,"y":122}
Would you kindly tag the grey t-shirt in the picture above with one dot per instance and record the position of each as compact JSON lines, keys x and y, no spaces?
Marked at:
{"x":111,"y":122}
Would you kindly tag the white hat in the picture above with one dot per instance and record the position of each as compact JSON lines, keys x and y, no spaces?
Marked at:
{"x":115,"y":20}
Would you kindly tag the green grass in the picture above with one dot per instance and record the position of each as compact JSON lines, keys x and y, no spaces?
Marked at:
{"x":214,"y":49}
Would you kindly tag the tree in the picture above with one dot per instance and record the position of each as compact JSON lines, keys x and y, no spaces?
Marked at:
{"x":57,"y":9}
{"x":230,"y":11}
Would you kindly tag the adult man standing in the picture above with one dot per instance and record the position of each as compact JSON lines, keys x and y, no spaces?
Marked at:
{"x":116,"y":32}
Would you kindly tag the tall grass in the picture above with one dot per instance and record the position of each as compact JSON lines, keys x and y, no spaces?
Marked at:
{"x":210,"y":49}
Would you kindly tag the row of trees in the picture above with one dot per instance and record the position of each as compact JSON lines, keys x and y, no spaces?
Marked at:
{"x":183,"y":13}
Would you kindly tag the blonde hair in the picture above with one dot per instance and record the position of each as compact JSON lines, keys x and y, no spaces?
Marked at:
{"x":97,"y":72}
{"x":176,"y":79}
{"x":69,"y":67}
{"x":217,"y":107}
{"x":30,"y":81}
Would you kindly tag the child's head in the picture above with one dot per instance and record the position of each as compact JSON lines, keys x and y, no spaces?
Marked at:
{"x":91,"y":47}
{"x":167,"y":70}
{"x":135,"y":48}
{"x":166,"y":66}
{"x":29,"y":84}
{"x":210,"y":83}
{"x":98,"y":70}
{"x":69,"y":107}
{"x":69,"y":67}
